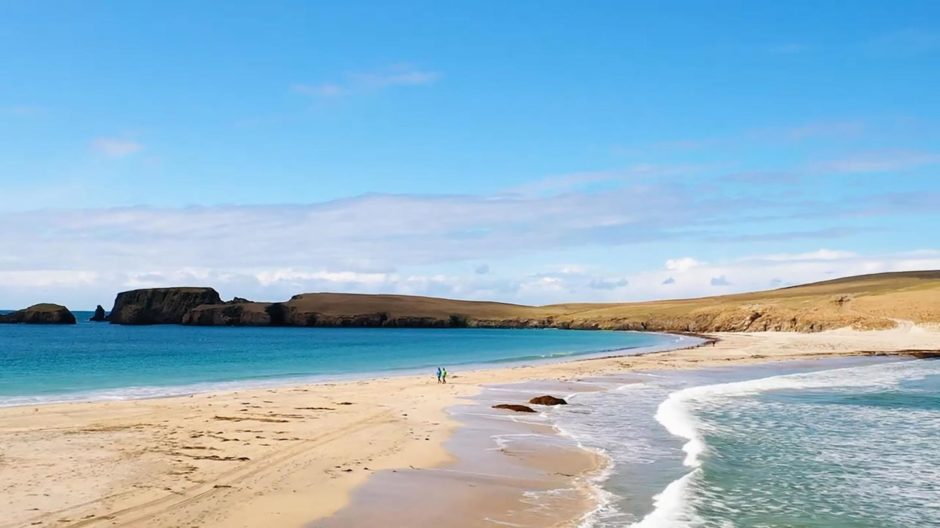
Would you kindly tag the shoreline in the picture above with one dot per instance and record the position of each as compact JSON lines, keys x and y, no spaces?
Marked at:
{"x":147,"y":392}
{"x":296,"y":453}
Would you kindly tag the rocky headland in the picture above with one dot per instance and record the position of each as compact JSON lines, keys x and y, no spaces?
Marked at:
{"x":44,"y":313}
{"x":864,"y":302}
{"x":159,"y":305}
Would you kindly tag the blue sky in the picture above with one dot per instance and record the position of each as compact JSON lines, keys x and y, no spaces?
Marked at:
{"x":523,"y":151}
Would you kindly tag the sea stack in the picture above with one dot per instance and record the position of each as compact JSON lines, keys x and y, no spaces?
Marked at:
{"x":159,"y":305}
{"x":45,"y":313}
{"x":99,"y":315}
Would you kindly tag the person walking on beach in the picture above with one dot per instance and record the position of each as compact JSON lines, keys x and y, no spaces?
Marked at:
{"x":439,"y":374}
{"x":443,"y":375}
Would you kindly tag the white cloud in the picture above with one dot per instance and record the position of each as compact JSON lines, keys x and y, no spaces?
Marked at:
{"x":721,"y":280}
{"x":682,"y":264}
{"x":292,"y":276}
{"x":409,"y":244}
{"x":116,"y":147}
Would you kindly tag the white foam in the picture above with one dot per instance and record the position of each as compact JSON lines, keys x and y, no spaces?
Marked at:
{"x":670,"y":507}
{"x":674,"y":414}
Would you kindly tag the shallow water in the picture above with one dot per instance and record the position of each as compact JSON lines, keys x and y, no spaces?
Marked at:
{"x":844,"y":443}
{"x":102,"y":361}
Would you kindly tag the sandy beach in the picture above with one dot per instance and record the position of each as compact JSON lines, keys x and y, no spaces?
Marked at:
{"x":293,"y":455}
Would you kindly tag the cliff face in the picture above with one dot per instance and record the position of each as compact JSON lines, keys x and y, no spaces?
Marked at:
{"x":159,"y":305}
{"x":45,"y":313}
{"x":866,"y":302}
{"x":236,"y":313}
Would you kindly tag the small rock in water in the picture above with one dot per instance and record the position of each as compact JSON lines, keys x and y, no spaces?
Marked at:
{"x":547,"y":400}
{"x":99,"y":315}
{"x":515,"y":407}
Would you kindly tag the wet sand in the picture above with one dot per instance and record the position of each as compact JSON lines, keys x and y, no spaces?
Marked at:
{"x":510,"y":469}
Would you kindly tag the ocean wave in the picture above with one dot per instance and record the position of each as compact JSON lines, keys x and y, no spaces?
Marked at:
{"x":673,"y":506}
{"x":670,"y":507}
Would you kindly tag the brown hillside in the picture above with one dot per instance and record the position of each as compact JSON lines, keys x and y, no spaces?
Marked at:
{"x":868,"y":301}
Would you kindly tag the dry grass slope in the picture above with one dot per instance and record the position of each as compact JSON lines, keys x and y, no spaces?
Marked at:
{"x":865,"y":302}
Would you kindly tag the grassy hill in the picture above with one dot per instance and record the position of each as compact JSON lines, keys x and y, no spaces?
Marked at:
{"x":867,"y":301}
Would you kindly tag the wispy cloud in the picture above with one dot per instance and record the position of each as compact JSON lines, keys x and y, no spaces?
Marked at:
{"x":824,"y":129}
{"x":400,"y":243}
{"x":825,"y":233}
{"x":909,"y":41}
{"x":790,"y":48}
{"x":358,"y":82}
{"x":116,"y":147}
{"x":396,"y":75}
{"x":799,"y":132}
{"x":22,"y":110}
{"x":581,"y":181}
{"x":878,"y":161}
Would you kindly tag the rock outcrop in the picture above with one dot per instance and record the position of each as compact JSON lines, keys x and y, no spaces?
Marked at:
{"x":514,"y":407}
{"x":547,"y":400}
{"x":865,"y":302}
{"x":160,"y":305}
{"x":45,"y":313}
{"x":229,"y":314}
{"x":99,"y":315}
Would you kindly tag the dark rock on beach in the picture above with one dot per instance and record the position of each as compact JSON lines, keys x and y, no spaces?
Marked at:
{"x":514,"y":407}
{"x":99,"y":315}
{"x":547,"y":400}
{"x":45,"y":313}
{"x":160,"y":305}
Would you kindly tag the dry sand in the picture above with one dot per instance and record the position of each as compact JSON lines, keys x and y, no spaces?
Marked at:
{"x":287,"y":456}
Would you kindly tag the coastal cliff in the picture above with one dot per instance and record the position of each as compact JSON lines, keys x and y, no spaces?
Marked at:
{"x":159,"y":305}
{"x":864,"y":302}
{"x":44,"y":313}
{"x":362,"y":310}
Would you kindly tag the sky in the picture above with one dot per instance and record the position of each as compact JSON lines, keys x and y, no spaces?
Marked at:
{"x":526,"y":151}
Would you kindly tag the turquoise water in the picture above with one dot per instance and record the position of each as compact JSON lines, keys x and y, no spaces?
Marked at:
{"x":847,"y":448}
{"x":103,"y":361}
{"x":844,"y":444}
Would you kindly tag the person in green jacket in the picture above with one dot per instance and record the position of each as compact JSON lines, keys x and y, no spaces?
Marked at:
{"x":443,"y":375}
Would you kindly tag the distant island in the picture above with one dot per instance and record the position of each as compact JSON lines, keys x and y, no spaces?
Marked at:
{"x":864,"y":302}
{"x":43,"y":313}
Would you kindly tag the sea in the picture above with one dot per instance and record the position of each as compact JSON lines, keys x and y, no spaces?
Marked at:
{"x":101,"y":361}
{"x":847,"y":443}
